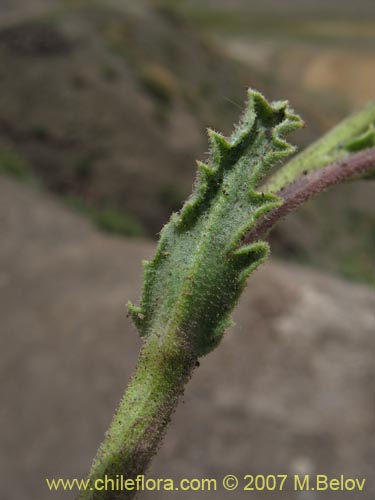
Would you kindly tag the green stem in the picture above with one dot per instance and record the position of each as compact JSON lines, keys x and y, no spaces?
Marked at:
{"x":202,"y":263}
{"x":333,"y":146}
{"x":164,"y":367}
{"x":312,"y":184}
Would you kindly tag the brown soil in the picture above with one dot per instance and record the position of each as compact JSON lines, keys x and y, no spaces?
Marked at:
{"x":288,"y":391}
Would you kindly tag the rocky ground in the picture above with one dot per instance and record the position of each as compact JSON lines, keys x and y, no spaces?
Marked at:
{"x":288,"y":391}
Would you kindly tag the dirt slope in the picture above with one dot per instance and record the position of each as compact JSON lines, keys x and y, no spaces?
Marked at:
{"x":109,"y":102}
{"x":346,"y":7}
{"x":106,"y":103}
{"x":289,"y":390}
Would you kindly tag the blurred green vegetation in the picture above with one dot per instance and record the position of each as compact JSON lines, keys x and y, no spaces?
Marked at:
{"x":14,"y":164}
{"x":109,"y":219}
{"x":355,"y":259}
{"x":106,"y":218}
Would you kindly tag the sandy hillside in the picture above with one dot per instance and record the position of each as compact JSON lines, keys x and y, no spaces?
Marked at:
{"x":289,"y":390}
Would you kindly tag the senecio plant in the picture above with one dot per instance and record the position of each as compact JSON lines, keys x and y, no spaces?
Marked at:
{"x":205,"y":255}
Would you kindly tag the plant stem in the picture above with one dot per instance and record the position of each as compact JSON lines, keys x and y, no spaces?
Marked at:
{"x":152,"y":395}
{"x":204,"y":257}
{"x":311,"y":185}
{"x":330,"y":148}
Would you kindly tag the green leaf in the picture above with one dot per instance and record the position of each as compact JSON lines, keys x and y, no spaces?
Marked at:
{"x":352,"y":134}
{"x":200,"y":267}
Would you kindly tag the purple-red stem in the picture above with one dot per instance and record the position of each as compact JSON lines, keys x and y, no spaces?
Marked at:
{"x":310,"y":185}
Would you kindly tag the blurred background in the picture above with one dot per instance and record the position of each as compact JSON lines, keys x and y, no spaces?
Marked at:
{"x":103,"y":111}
